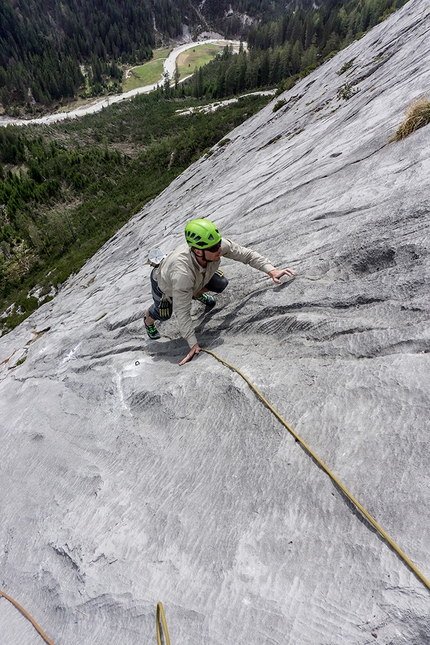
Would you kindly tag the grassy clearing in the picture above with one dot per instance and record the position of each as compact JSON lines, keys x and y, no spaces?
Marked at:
{"x":151,"y":72}
{"x":148,"y":73}
{"x":196,"y":57}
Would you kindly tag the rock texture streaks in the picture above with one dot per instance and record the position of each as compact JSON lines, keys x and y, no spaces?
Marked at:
{"x":126,"y":479}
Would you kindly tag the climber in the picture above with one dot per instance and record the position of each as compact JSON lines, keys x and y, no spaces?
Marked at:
{"x":191,"y":271}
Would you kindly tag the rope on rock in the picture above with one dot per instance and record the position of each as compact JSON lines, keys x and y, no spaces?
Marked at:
{"x":27,"y":615}
{"x":160,"y":614}
{"x":338,"y":483}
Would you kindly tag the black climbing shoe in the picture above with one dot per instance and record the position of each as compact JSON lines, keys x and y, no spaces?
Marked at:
{"x":207,"y":300}
{"x":152,"y":331}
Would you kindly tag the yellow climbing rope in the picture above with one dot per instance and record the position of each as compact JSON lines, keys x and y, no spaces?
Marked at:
{"x":338,"y":483}
{"x":160,"y":614}
{"x":27,"y":615}
{"x":160,"y":618}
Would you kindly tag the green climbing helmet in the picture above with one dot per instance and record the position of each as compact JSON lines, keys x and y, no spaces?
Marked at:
{"x":202,"y":234}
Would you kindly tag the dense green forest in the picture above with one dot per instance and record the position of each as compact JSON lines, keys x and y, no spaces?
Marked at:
{"x":66,"y":188}
{"x":52,"y":51}
{"x":46,"y":46}
{"x":281,"y":51}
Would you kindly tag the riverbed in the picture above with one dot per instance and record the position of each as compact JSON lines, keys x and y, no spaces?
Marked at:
{"x":98,"y":104}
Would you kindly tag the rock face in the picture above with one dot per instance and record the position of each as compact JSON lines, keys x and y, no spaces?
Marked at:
{"x":126,"y":479}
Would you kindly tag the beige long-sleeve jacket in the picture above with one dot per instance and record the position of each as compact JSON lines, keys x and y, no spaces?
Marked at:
{"x":180,"y":276}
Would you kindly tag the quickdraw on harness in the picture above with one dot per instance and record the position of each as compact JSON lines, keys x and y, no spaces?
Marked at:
{"x":165,"y":307}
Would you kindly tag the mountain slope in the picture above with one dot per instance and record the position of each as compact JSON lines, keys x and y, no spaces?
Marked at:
{"x":126,"y":479}
{"x":52,"y":52}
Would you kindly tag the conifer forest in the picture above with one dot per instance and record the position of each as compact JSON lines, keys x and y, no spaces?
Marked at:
{"x":66,"y":188}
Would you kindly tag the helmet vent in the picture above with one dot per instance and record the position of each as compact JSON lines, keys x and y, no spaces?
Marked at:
{"x":201,"y":233}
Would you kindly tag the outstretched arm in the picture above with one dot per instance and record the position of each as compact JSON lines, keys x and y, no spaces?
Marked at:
{"x":276,"y":274}
{"x":239,"y":253}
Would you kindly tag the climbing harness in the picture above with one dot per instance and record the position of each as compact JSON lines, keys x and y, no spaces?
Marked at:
{"x":159,"y":615}
{"x":338,"y":483}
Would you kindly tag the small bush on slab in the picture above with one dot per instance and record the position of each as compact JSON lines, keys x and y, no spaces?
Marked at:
{"x":417,"y":116}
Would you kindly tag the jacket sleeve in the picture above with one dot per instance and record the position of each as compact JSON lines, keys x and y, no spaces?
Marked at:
{"x":183,"y":291}
{"x":234,"y":251}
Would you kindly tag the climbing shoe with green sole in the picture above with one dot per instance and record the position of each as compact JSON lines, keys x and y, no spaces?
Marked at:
{"x":152,"y":331}
{"x":207,"y":300}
